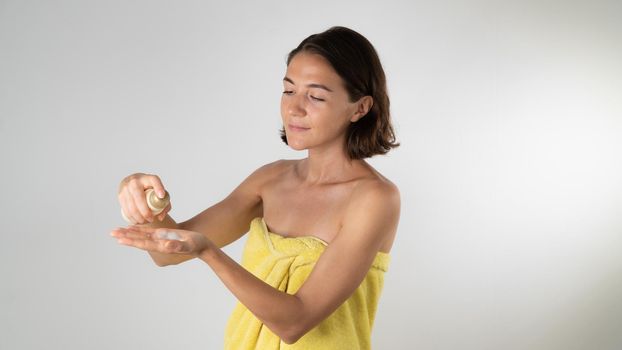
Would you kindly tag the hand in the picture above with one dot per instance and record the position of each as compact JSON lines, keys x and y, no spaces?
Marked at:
{"x":131,"y":195}
{"x":163,"y":240}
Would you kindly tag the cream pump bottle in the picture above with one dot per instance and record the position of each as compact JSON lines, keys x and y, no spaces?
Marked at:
{"x":155,"y":203}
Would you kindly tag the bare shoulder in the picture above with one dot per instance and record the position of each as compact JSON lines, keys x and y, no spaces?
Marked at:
{"x":276,"y":171}
{"x":277,"y":166}
{"x":378,"y":201}
{"x":270,"y":170}
{"x":378,"y":193}
{"x":377,"y":185}
{"x":266,"y":175}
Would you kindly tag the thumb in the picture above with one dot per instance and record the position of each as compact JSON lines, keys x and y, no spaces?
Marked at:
{"x":175,"y":246}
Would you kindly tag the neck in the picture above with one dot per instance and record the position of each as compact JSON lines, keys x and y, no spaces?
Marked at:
{"x":323,"y":167}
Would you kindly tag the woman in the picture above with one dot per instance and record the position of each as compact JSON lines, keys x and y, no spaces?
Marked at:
{"x":321,"y":228}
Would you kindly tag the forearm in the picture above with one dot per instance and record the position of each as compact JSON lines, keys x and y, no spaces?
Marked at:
{"x":162,"y":259}
{"x":278,"y":310}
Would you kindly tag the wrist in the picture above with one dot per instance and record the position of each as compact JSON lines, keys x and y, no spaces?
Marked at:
{"x":207,"y":253}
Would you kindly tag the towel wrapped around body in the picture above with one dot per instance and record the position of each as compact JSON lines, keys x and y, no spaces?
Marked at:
{"x":285,"y":263}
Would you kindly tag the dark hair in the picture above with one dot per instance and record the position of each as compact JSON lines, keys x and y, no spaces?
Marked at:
{"x":355,"y":60}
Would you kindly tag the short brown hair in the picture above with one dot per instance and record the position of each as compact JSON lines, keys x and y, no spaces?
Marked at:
{"x":355,"y":60}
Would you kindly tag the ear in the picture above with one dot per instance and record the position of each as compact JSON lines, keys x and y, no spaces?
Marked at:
{"x":363,"y":105}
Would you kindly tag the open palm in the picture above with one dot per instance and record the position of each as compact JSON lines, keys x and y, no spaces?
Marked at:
{"x":163,"y":240}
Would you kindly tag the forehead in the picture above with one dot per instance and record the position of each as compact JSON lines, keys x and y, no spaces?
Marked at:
{"x":309,"y":66}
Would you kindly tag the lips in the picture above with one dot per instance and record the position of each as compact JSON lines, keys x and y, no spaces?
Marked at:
{"x":297,"y":128}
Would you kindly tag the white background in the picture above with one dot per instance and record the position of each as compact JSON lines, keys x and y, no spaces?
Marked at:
{"x":510,"y":119}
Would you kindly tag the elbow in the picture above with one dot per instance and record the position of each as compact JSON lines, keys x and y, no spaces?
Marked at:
{"x":293,"y":333}
{"x":289,"y":341}
{"x":291,"y":338}
{"x":298,"y":323}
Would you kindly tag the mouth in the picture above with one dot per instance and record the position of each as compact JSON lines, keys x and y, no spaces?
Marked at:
{"x":297,"y":128}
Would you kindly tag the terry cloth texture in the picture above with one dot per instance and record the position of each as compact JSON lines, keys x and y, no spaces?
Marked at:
{"x":285,"y":263}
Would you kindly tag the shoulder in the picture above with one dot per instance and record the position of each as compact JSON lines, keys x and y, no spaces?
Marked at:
{"x":374,"y":207}
{"x":375,"y":193}
{"x":268,"y":174}
{"x":376,"y":187}
{"x":269,"y":170}
{"x":277,"y":166}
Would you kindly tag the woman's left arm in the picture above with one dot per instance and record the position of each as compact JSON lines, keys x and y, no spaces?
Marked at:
{"x":372,"y":216}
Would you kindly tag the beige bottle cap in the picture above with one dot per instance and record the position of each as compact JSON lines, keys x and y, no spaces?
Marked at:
{"x":155,"y":203}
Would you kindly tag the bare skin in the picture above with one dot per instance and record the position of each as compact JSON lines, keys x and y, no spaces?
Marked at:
{"x":292,"y":209}
{"x":345,"y":203}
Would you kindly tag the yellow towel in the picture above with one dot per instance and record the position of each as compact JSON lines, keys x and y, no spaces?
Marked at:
{"x":285,"y":263}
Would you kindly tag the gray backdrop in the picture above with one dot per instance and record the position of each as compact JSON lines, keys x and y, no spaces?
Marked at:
{"x":509,"y":114}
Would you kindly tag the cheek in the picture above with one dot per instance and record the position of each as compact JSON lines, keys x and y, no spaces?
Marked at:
{"x":322,"y":108}
{"x":329,"y":113}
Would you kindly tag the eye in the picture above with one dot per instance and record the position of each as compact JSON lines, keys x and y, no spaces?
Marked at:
{"x":317,"y":99}
{"x":287,"y":92}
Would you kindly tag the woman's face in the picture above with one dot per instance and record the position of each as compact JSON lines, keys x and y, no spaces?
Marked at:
{"x":315,"y":100}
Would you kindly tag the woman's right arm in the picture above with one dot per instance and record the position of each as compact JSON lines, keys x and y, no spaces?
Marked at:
{"x":225,"y":221}
{"x":229,"y":219}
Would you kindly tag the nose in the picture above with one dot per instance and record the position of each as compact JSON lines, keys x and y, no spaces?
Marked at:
{"x":295,"y":105}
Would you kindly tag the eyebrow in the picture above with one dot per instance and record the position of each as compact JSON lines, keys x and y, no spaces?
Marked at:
{"x":313,"y":85}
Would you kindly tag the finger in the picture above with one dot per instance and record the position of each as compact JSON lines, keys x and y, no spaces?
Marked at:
{"x":129,"y":207}
{"x":158,"y":187}
{"x":140,"y":202}
{"x":124,"y":197}
{"x":133,"y":234}
{"x":123,"y":202}
{"x":163,"y":246}
{"x":142,"y":228}
{"x":130,"y":233}
{"x":116,"y":232}
{"x":144,"y":244}
{"x":164,"y":212}
{"x":134,"y":215}
{"x":124,"y":215}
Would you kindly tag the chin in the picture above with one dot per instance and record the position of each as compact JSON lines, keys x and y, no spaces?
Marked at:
{"x":295,"y":145}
